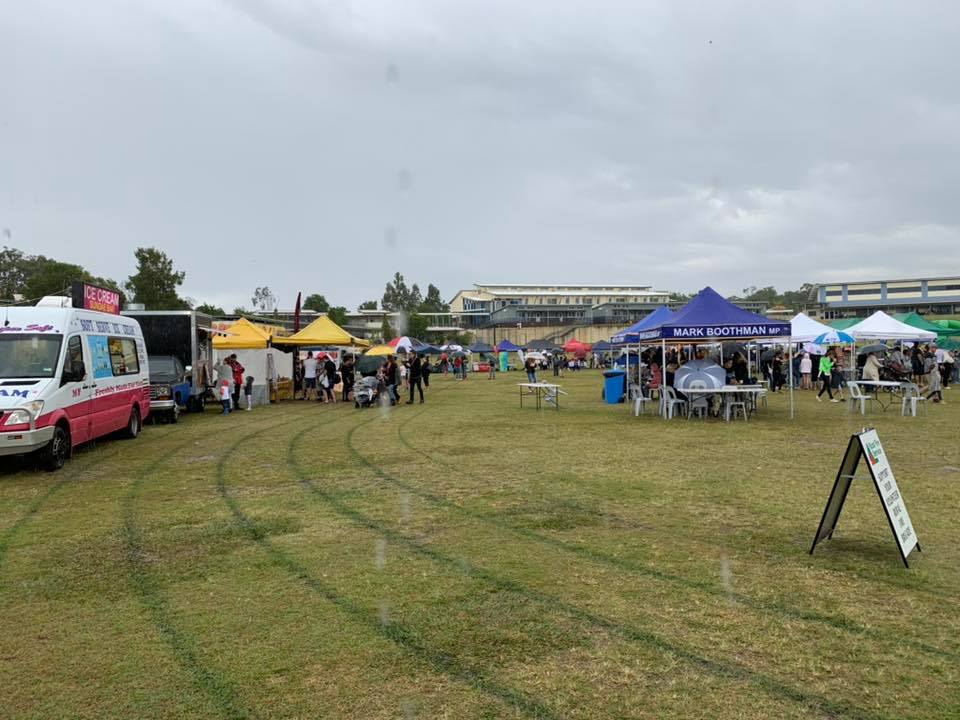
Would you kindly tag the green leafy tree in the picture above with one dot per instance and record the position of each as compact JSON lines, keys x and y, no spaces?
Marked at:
{"x":155,"y":283}
{"x":13,"y":273}
{"x":338,"y":314}
{"x":417,"y":325}
{"x":433,"y":302}
{"x":397,"y":297}
{"x":209,"y":309}
{"x":317,"y":303}
{"x":368,"y":305}
{"x":386,"y":329}
{"x":241,"y":311}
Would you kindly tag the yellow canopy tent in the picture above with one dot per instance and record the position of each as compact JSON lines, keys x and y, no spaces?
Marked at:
{"x":381,"y":350}
{"x":243,"y":335}
{"x":322,"y":331}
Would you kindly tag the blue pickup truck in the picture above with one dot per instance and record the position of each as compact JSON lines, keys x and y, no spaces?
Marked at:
{"x":169,"y":387}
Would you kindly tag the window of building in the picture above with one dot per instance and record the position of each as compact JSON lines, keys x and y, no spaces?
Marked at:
{"x":863,"y":291}
{"x":904,"y":290}
{"x":941,"y":288}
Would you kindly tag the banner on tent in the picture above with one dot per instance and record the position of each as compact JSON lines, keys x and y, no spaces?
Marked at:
{"x":867,"y":445}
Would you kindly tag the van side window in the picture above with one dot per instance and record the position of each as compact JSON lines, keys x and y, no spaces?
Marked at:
{"x":123,"y":356}
{"x":74,"y":355}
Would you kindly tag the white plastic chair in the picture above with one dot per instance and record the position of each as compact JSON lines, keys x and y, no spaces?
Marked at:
{"x":857,"y":397}
{"x":672,"y":401}
{"x":731,"y":406}
{"x":912,"y":397}
{"x":639,"y":403}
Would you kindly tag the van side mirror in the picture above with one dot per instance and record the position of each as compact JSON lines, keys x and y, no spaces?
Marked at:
{"x":75,"y":373}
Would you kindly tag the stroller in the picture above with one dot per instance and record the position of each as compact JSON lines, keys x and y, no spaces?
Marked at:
{"x":366,"y":391}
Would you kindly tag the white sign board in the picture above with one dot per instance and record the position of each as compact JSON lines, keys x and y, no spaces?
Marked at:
{"x":867,"y":445}
{"x":889,"y":492}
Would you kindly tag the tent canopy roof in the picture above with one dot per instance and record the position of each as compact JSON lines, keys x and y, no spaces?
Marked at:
{"x":243,"y":335}
{"x":654,"y":319}
{"x":805,"y":329}
{"x":844,"y":323}
{"x":915,"y":319}
{"x":481,"y":348}
{"x":881,"y":326}
{"x":710,"y":317}
{"x":507,"y":346}
{"x":322,"y":331}
{"x":601,"y":346}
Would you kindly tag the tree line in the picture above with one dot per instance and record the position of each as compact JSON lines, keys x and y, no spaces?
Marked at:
{"x":156,"y":284}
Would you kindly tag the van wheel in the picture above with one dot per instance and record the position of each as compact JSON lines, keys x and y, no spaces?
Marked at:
{"x":133,"y":424}
{"x":174,"y":414}
{"x":54,"y":455}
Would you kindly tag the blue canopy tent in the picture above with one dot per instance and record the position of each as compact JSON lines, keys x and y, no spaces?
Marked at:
{"x":481,"y":348}
{"x":507,"y":346}
{"x":631,"y":335}
{"x":709,"y":317}
{"x":601,"y":346}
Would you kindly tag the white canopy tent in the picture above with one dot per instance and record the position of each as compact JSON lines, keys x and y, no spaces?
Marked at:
{"x":881,"y":326}
{"x":804,"y":329}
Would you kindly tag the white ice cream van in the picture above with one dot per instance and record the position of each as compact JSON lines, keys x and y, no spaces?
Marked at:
{"x":67,"y":376}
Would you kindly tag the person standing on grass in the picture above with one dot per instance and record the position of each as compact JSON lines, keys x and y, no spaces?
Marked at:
{"x":933,"y":382}
{"x":425,"y":371}
{"x":416,"y":374}
{"x":390,"y":380}
{"x":826,"y":376}
{"x":347,"y":376}
{"x":225,"y":396}
{"x":309,"y":376}
{"x":457,"y":363}
{"x":806,"y":367}
{"x":917,"y":360}
{"x":493,"y":370}
{"x":330,"y":370}
{"x":531,"y":366}
{"x":238,"y":371}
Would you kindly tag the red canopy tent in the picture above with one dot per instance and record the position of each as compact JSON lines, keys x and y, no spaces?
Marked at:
{"x":576,"y":346}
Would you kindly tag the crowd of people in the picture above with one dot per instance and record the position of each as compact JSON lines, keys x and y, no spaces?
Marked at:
{"x":319,"y":377}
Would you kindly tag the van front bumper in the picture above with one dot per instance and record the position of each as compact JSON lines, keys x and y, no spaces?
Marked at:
{"x":24,"y":441}
{"x":161,"y":405}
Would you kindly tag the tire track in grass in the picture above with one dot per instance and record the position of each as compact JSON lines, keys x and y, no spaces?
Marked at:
{"x":726,"y":671}
{"x":837,"y":622}
{"x":68,"y":476}
{"x":183,"y":647}
{"x":401,"y":636}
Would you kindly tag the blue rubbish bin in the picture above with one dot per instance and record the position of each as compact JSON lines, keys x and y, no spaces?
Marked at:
{"x":614,"y":386}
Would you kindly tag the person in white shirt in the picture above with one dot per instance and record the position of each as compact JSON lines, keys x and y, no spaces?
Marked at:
{"x":806,"y":367}
{"x":310,"y":377}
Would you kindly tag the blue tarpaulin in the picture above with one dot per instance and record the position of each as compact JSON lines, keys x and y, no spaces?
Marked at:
{"x":710,"y":317}
{"x":632,"y":333}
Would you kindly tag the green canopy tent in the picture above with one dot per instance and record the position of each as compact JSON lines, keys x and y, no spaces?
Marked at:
{"x":844,"y":323}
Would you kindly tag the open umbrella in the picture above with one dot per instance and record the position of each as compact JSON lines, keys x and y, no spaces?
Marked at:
{"x":368,"y":364}
{"x":730,"y":348}
{"x":876,"y":349}
{"x":699,"y":374}
{"x":832,"y":338}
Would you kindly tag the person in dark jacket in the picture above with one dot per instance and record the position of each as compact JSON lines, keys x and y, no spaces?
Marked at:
{"x":330,"y":370}
{"x":416,"y":376}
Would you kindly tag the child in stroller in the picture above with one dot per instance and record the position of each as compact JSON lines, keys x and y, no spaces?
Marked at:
{"x":366,"y":391}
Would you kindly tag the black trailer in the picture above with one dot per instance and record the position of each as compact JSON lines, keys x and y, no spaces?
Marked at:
{"x":188,"y":336}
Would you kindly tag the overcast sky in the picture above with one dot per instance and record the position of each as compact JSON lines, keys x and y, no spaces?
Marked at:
{"x":320,"y":146}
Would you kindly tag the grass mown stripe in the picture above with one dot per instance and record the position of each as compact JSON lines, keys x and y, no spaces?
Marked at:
{"x":67,"y":476}
{"x":837,"y":622}
{"x":183,"y":647}
{"x":398,"y":634}
{"x":729,"y":671}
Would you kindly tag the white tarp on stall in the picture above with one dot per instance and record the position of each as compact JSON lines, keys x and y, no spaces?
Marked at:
{"x":263,"y":364}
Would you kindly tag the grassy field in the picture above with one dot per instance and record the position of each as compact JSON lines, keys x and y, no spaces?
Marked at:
{"x":469,"y":559}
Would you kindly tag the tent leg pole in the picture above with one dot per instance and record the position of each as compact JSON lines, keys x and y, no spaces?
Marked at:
{"x":663,"y":377}
{"x":791,"y":377}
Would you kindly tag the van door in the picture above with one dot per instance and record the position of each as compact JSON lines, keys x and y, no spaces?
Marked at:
{"x":117,"y":382}
{"x":75,"y":393}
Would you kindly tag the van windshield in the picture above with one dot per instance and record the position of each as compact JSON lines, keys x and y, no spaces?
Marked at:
{"x":29,"y":355}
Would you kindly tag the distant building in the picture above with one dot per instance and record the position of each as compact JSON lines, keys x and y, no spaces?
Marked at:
{"x":927,"y":296}
{"x":494,"y":304}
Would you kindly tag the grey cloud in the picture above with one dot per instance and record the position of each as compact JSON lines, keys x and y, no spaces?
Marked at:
{"x":279,"y":142}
